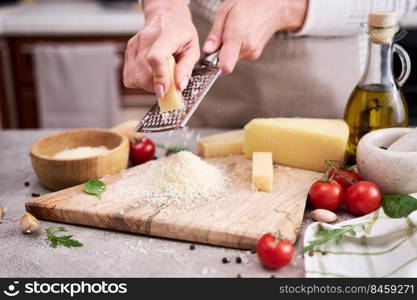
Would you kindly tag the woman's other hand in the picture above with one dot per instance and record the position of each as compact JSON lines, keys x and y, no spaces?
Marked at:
{"x":168,"y":31}
{"x":243,"y":27}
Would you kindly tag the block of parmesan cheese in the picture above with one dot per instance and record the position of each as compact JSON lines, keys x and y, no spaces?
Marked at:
{"x":230,"y":142}
{"x":262,"y":171}
{"x":297,"y":142}
{"x":173,"y":97}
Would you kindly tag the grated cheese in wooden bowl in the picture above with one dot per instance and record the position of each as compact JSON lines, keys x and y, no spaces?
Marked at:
{"x":81,"y":152}
{"x":182,"y":178}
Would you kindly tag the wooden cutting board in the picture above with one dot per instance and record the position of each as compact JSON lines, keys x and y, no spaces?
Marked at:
{"x":235,"y":220}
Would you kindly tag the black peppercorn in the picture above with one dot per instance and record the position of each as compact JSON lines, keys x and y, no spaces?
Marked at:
{"x":225,"y":260}
{"x":192,"y":247}
{"x":238,"y":275}
{"x":36,"y":195}
{"x":238,"y":260}
{"x":272,"y":276}
{"x":27,"y":183}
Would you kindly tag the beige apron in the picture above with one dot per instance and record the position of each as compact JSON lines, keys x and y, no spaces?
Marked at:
{"x":295,"y":77}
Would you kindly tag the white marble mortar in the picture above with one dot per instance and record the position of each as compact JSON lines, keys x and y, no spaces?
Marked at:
{"x":395,"y":172}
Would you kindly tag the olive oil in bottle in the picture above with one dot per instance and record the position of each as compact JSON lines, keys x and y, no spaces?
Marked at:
{"x":377,"y":102}
{"x":370,"y":108}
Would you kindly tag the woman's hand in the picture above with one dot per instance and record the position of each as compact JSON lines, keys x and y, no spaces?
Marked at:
{"x":243,"y":27}
{"x":168,"y":31}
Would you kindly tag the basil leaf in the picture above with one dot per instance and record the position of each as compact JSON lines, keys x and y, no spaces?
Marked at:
{"x":171,"y":149}
{"x":94,"y":187}
{"x":175,"y":149}
{"x":398,"y":206}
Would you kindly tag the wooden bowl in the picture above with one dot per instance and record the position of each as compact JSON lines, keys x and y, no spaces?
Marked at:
{"x":58,"y":173}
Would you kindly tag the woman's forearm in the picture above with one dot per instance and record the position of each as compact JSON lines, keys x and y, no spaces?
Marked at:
{"x":152,"y":7}
{"x":295,"y":14}
{"x":343,"y":17}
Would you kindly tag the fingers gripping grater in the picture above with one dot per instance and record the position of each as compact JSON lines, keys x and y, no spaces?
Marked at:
{"x":204,"y":75}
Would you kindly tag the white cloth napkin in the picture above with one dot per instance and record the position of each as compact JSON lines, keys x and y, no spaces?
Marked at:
{"x":77,"y":85}
{"x":386,"y":247}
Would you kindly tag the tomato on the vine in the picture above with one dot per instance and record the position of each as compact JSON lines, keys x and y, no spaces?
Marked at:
{"x":344,"y":177}
{"x":326,"y":194}
{"x":274,"y":252}
{"x":141,"y":151}
{"x":363,"y":197}
{"x":342,"y":173}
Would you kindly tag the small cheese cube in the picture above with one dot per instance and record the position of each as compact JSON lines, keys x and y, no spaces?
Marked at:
{"x":173,"y":97}
{"x":262,"y":171}
{"x":298,"y":142}
{"x":230,"y":142}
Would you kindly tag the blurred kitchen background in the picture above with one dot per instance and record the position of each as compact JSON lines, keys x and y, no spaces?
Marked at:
{"x":59,"y":54}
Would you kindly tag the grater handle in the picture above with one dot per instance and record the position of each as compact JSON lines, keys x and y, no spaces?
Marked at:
{"x":210,"y":60}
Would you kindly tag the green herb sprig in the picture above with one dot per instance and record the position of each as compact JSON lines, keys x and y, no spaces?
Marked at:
{"x":65,"y":240}
{"x":94,"y":187}
{"x":325,"y":235}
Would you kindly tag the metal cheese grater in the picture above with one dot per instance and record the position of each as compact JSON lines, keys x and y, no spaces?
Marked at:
{"x":204,"y":75}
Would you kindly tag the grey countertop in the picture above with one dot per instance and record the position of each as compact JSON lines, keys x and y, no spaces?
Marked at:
{"x":107,"y":253}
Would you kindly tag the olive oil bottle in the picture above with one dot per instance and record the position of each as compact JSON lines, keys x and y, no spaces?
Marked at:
{"x":377,"y":101}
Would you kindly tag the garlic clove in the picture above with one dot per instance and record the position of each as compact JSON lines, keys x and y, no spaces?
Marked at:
{"x":323,"y":215}
{"x":29,"y":224}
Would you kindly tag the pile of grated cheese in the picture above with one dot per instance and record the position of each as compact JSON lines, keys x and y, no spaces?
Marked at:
{"x":81,"y":152}
{"x":182,"y":178}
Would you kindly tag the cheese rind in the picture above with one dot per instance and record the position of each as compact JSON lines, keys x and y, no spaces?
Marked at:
{"x":298,"y":142}
{"x":173,"y":97}
{"x":262,"y":171}
{"x":221,"y":144}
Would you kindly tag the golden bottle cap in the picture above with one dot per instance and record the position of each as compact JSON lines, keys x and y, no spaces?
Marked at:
{"x":382,"y":19}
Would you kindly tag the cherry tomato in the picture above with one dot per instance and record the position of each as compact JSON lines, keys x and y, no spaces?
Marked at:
{"x":344,"y":177}
{"x":326,"y":194}
{"x":274,"y":252}
{"x":141,"y":151}
{"x":363,"y":197}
